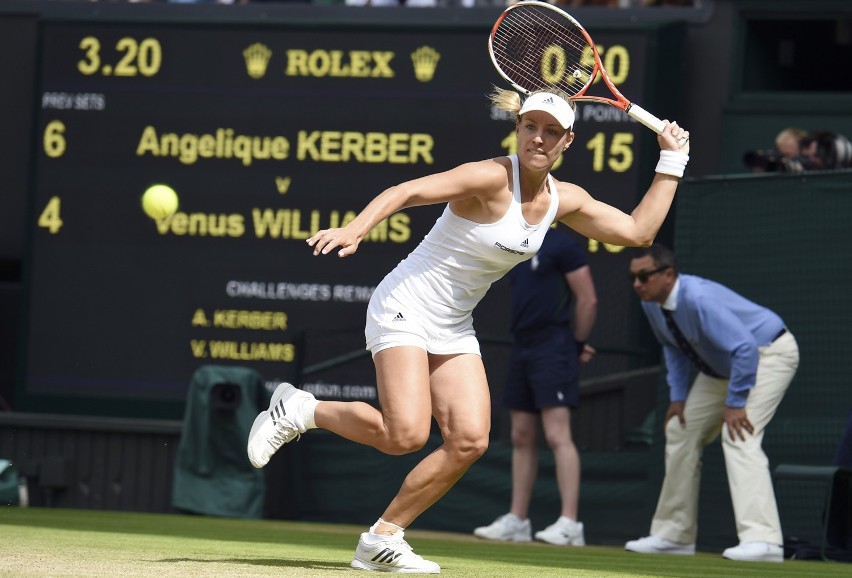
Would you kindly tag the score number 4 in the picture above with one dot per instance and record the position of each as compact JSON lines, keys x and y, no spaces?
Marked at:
{"x":51,"y":216}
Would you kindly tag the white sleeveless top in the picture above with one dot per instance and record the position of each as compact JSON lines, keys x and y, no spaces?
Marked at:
{"x":454,"y":265}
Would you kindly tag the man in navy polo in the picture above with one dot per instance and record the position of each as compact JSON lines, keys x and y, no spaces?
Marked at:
{"x":543,"y":382}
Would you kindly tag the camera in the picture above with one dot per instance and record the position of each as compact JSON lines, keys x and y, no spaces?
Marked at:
{"x":765,"y":161}
{"x":820,"y":150}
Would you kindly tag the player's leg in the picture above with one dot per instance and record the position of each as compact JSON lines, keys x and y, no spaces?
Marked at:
{"x":461,"y":404}
{"x":403,"y":424}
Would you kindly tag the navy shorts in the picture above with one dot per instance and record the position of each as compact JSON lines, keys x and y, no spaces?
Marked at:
{"x":543,"y":371}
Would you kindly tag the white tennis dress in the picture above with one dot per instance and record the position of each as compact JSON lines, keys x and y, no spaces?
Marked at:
{"x":428,"y":299}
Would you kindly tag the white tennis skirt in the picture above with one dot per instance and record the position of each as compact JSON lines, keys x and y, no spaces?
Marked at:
{"x":396,"y":317}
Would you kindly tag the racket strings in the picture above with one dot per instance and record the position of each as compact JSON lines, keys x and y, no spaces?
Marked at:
{"x":537,"y":51}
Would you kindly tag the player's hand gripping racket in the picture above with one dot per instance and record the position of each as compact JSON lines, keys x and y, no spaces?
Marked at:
{"x":535,"y":45}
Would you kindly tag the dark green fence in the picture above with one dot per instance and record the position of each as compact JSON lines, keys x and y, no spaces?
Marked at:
{"x":780,"y":240}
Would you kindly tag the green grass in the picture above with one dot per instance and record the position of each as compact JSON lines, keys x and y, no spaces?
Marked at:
{"x":56,"y":542}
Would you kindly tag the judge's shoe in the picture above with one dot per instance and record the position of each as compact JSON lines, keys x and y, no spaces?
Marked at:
{"x":506,"y":528}
{"x":284,"y":421}
{"x":755,"y":552}
{"x":658,"y":545}
{"x":563,"y":532}
{"x":390,"y":554}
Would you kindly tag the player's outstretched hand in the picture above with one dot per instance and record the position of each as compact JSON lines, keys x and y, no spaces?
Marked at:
{"x":674,"y":138}
{"x":327,"y":240}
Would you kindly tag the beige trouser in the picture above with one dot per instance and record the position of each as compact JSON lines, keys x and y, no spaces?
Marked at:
{"x":749,"y":477}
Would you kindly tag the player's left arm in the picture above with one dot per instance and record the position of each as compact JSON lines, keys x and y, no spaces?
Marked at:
{"x":607,"y":224}
{"x":602,"y":222}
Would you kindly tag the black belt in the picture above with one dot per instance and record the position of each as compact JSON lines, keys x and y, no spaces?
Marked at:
{"x":780,"y":333}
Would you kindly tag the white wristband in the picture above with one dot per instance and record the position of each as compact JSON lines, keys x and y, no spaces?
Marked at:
{"x":672,"y":163}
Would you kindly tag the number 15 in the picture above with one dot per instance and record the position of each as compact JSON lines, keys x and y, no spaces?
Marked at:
{"x":619,"y":157}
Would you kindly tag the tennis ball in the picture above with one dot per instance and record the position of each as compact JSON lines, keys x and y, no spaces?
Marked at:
{"x":159,"y":202}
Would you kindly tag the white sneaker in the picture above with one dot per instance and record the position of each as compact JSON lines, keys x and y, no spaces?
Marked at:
{"x":281,"y":423}
{"x":755,"y":552}
{"x":506,"y":528}
{"x":657,"y":545}
{"x":563,"y":532}
{"x":390,"y":554}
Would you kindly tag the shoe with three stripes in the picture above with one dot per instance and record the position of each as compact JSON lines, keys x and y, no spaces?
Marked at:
{"x":390,"y":554}
{"x":281,"y":423}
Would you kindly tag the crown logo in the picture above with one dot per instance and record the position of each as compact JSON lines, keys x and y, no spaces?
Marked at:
{"x":425,"y":61}
{"x":257,"y":59}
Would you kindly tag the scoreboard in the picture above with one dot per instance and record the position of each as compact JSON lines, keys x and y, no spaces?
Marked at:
{"x":267,"y":132}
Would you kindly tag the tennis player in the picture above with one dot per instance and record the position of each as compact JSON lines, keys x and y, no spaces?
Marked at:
{"x":419,"y":321}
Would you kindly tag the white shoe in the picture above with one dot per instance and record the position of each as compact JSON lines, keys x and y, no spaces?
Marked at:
{"x":563,"y":532}
{"x":281,"y":423}
{"x":755,"y":552}
{"x":390,"y":554}
{"x":506,"y":528}
{"x":657,"y":545}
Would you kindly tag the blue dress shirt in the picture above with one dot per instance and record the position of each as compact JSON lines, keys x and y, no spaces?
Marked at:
{"x":723,"y":327}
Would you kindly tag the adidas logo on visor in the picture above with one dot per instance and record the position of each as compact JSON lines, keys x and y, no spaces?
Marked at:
{"x":551,"y":104}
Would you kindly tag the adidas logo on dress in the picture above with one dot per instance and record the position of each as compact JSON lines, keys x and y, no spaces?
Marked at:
{"x":399,"y":317}
{"x":525,"y":243}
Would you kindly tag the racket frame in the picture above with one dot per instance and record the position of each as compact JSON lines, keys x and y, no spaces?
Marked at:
{"x":633,"y":110}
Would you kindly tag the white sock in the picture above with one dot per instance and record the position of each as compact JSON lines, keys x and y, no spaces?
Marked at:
{"x":375,"y":537}
{"x":309,"y":406}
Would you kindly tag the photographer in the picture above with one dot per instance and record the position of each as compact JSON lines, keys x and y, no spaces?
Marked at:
{"x":797,"y":151}
{"x":787,"y":148}
{"x":824,"y":150}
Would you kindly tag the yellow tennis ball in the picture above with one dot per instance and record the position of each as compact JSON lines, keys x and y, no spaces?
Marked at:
{"x":160,"y":201}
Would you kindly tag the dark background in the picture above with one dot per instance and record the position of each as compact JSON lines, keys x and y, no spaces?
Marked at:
{"x":102,"y":309}
{"x":110,"y":298}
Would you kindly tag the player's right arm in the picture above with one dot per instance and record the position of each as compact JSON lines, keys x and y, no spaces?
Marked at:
{"x":478,"y":187}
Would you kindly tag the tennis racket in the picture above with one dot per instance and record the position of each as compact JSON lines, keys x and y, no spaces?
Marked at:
{"x":535,"y":46}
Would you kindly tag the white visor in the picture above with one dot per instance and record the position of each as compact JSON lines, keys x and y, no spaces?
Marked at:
{"x":553,"y":105}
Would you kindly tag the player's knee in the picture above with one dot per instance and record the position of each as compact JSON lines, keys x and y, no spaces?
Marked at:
{"x":406,"y":442}
{"x":468,"y":448}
